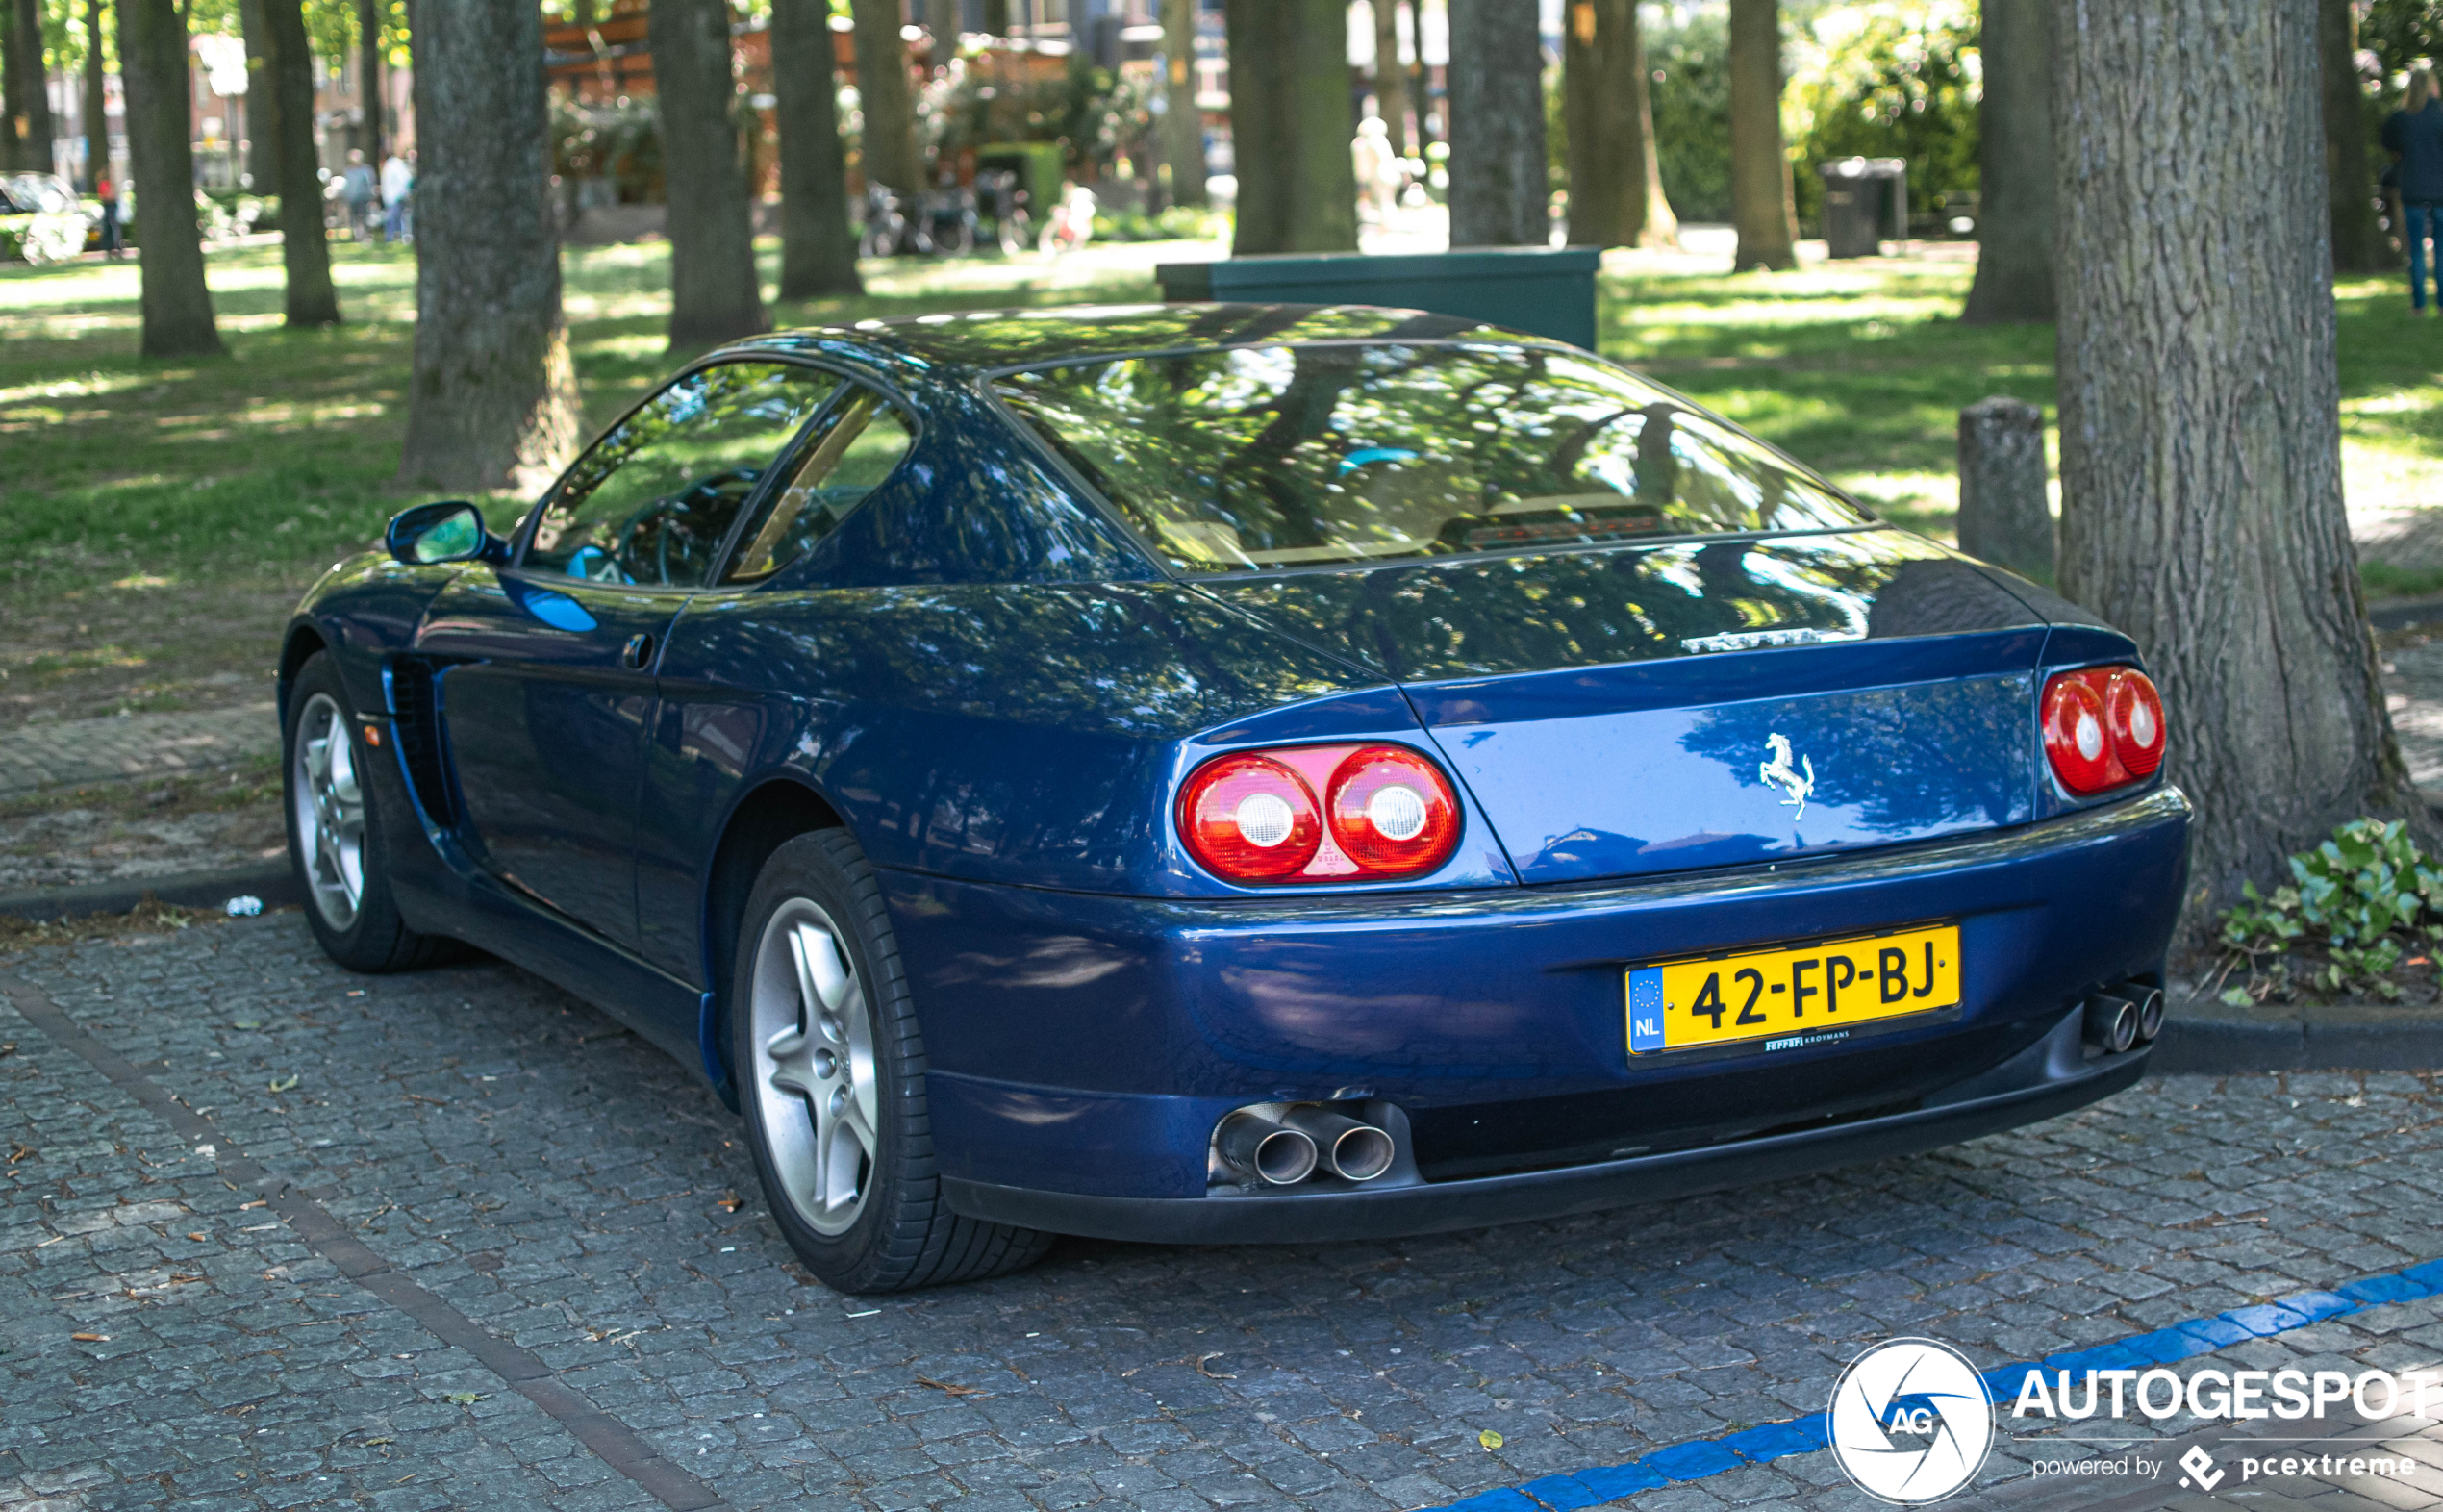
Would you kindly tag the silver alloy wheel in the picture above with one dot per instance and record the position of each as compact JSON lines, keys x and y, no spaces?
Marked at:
{"x":814,"y":1086}
{"x":329,"y":807}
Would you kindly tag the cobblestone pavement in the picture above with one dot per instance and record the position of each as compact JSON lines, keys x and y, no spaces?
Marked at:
{"x":455,"y":1239}
{"x":68,"y":752}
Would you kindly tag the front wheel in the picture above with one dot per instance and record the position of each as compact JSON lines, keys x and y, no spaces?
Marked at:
{"x":831,"y":1080}
{"x":334,"y":839}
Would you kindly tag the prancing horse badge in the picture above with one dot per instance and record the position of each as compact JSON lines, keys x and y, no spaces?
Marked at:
{"x":1780,"y":773}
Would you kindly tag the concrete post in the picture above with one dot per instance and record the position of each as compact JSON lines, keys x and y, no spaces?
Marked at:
{"x":2003,"y":514}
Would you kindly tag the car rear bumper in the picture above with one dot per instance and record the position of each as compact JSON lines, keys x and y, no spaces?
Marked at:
{"x":2051,"y":1078}
{"x":1085,"y":1046}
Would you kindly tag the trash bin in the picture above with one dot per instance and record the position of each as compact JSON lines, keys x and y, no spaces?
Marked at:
{"x":1546,"y":291}
{"x":1865,"y":199}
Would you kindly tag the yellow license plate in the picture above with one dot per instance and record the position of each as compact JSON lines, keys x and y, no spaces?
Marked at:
{"x":1794,"y":994}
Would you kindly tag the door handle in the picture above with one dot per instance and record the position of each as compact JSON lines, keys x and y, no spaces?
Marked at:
{"x":636,"y":652}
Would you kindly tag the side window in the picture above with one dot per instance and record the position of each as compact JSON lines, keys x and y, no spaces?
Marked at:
{"x":652,"y":501}
{"x":860,"y":441}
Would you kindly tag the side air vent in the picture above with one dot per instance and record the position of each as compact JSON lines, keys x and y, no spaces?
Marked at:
{"x":415,"y":707}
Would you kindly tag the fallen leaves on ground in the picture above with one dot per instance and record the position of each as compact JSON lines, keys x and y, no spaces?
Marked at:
{"x":1489,"y":1439}
{"x":952,"y":1388}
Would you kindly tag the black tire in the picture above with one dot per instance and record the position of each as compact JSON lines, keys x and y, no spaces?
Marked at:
{"x":369,"y":936}
{"x":899,"y":1234}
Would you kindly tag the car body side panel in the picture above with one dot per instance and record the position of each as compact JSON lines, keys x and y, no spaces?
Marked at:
{"x":1059,"y":1027}
{"x":1014,"y":733}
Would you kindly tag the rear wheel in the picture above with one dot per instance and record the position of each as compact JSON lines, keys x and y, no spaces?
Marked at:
{"x":831,"y":1078}
{"x":335,"y":842}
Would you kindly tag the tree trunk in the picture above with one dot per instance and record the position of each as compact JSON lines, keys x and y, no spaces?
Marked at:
{"x":1182,"y":123}
{"x":2358,"y":243}
{"x":493,"y":401}
{"x":2201,"y":443}
{"x":2014,"y":208}
{"x":1290,"y":127}
{"x":284,"y":95}
{"x":176,"y":303}
{"x":97,"y":120}
{"x":1391,"y":80}
{"x":889,"y":149}
{"x":262,"y":165}
{"x":714,"y":294}
{"x":942,"y":21}
{"x":1615,"y":178}
{"x":32,"y":103}
{"x":12,"y":151}
{"x":818,"y":250}
{"x":1760,"y":205}
{"x":996,"y":17}
{"x":368,"y":61}
{"x":1501,"y":191}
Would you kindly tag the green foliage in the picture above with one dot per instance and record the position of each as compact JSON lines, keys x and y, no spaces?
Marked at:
{"x":1095,"y":115}
{"x":622,"y":144}
{"x":2401,"y":31}
{"x":1689,"y":56}
{"x":2358,"y":896}
{"x":1180,"y":222}
{"x":1891,"y":79}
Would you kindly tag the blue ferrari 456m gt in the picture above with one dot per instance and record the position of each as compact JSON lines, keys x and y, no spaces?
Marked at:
{"x":1227,"y":773}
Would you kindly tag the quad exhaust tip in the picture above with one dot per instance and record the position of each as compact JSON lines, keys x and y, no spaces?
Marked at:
{"x":2128,"y":1016}
{"x":1351,"y":1150}
{"x":1284,"y":1152}
{"x":1272,"y":1153}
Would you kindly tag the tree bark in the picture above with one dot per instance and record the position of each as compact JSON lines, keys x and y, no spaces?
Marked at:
{"x":1290,"y":127}
{"x":1501,"y":191}
{"x":1391,"y":80}
{"x":818,"y":250}
{"x":2201,"y":442}
{"x":2358,"y":243}
{"x":284,"y":95}
{"x":1760,"y":203}
{"x":493,"y":401}
{"x":262,"y":165}
{"x":888,"y":150}
{"x":32,"y":101}
{"x":176,"y":303}
{"x":1616,"y":177}
{"x":2015,"y":208}
{"x":1182,"y":123}
{"x":97,"y":120}
{"x":2004,"y":515}
{"x":714,"y":292}
{"x":941,"y":23}
{"x":369,"y":62}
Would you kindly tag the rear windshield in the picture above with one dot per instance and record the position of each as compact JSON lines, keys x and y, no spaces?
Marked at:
{"x":1262,"y":458}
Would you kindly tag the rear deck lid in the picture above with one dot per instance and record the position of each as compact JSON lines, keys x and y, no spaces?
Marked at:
{"x":1700,"y":704}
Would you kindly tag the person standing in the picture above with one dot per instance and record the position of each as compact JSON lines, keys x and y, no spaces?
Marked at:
{"x":357,"y":192}
{"x":396,"y":180}
{"x":2414,"y":136}
{"x":114,"y":243}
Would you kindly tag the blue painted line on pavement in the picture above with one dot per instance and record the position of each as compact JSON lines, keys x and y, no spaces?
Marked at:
{"x":1698,"y":1459}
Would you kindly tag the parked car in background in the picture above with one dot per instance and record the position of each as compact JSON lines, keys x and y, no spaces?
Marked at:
{"x":42,"y":219}
{"x":1232,"y":773}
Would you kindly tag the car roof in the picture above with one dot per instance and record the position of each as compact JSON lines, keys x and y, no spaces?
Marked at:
{"x":955,"y":346}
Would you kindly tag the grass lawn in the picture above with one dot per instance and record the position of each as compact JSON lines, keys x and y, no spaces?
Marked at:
{"x":157,"y":519}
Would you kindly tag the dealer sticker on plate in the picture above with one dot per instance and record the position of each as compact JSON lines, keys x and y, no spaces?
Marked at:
{"x":1799,"y":994}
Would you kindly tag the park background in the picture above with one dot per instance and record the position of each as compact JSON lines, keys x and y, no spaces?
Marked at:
{"x":178,"y":460}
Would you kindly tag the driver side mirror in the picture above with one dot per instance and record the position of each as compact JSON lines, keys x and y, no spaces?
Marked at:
{"x":451,"y":531}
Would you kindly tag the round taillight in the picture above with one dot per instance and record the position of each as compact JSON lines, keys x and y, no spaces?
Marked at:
{"x":2133,"y":711}
{"x":1391,"y":811}
{"x":2075,"y":738}
{"x":1251,"y":819}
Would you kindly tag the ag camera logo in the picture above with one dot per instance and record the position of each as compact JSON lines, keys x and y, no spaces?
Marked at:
{"x":1911,"y":1422}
